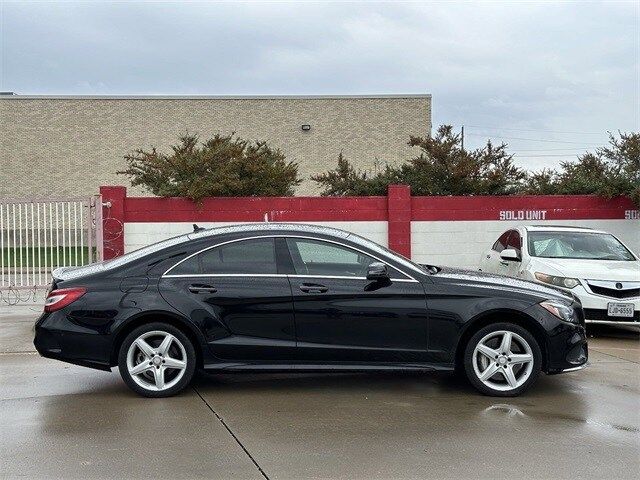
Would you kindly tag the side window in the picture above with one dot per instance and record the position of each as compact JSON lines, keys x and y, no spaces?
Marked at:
{"x":256,"y":256}
{"x":514,"y":241}
{"x":501,"y":243}
{"x":318,"y":258}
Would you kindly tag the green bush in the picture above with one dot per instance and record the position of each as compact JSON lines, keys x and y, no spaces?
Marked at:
{"x":443,"y":167}
{"x":223,"y":166}
{"x":609,"y":172}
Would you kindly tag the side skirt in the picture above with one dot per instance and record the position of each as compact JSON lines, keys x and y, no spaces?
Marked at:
{"x":326,"y":367}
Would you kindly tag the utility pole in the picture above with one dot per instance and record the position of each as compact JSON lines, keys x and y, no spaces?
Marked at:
{"x":462,"y":137}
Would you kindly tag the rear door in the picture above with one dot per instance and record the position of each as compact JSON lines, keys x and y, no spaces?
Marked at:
{"x":343,"y":317}
{"x":237,"y":296}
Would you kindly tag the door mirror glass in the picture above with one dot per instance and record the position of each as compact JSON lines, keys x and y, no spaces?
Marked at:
{"x":510,"y":255}
{"x":377,"y":271}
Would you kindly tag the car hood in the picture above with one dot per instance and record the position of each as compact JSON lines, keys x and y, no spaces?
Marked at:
{"x":589,"y":269}
{"x":473,"y":278}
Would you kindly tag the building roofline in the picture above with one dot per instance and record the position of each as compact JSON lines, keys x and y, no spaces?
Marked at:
{"x":209,"y":97}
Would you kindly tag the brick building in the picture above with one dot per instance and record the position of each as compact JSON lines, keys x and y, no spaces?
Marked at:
{"x":70,"y":145}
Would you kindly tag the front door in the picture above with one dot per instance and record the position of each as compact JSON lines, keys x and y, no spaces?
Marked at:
{"x":236,"y":295}
{"x":341,"y":316}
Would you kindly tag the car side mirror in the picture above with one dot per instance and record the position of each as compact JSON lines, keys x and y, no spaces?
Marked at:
{"x":377,"y":271}
{"x":510,"y":255}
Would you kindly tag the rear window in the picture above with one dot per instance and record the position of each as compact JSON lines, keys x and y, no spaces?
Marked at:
{"x":255,"y":256}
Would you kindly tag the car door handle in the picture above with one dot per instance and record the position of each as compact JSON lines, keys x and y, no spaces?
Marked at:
{"x":313,"y":288}
{"x":506,"y":264}
{"x":199,"y":288}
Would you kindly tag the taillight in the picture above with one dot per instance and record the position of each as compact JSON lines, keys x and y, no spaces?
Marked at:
{"x":58,"y":299}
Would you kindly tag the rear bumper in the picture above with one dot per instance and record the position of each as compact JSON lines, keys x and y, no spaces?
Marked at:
{"x":67,"y":345}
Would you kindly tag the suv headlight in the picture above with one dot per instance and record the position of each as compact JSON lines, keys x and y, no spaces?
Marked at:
{"x":560,"y":310}
{"x":564,"y":282}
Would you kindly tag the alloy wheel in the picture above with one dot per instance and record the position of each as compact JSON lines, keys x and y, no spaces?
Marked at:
{"x":156,"y":360}
{"x":503,"y":360}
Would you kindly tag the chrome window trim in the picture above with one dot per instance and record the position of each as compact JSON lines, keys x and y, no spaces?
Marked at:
{"x":166,"y":273}
{"x":211,"y":275}
{"x":277,"y":275}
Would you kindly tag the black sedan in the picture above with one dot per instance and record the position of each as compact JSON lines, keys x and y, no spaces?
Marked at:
{"x":301,"y":298}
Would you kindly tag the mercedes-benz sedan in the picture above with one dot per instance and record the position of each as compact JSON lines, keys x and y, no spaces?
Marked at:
{"x":288,"y":297}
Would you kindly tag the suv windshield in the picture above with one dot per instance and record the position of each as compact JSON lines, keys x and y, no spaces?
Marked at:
{"x":585,"y":245}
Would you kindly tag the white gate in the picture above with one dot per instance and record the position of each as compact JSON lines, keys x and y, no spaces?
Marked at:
{"x":37,"y":236}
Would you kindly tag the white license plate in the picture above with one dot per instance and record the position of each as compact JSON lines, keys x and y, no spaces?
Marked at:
{"x":620,"y":309}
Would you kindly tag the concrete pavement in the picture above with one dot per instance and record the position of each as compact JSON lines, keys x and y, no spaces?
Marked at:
{"x":63,"y":421}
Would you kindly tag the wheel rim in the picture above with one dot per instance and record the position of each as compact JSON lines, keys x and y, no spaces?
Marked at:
{"x":503,"y":360}
{"x":156,"y":360}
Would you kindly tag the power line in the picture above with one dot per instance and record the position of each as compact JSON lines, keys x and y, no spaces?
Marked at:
{"x":577,"y":150}
{"x":534,"y":139}
{"x":537,"y":130}
{"x":537,"y":156}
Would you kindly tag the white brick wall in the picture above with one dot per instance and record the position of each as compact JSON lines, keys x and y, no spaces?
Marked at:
{"x":137,"y":235}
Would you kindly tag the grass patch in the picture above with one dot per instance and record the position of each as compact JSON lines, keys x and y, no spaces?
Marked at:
{"x":50,"y":256}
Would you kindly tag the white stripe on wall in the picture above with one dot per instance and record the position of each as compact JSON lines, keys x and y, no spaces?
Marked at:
{"x":138,"y":235}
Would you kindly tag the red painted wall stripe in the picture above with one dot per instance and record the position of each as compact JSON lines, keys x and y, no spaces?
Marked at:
{"x":293,"y":209}
{"x":526,"y":208}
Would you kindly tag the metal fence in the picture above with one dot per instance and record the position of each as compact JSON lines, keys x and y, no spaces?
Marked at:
{"x":37,"y":236}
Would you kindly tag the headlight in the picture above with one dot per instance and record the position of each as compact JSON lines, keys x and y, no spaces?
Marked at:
{"x":564,"y":282}
{"x":560,"y":310}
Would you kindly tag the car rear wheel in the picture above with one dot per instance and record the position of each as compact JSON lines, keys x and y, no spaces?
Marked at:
{"x":502,"y":360}
{"x":157,"y":360}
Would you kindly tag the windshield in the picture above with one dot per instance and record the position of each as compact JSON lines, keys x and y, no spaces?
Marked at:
{"x":585,"y":245}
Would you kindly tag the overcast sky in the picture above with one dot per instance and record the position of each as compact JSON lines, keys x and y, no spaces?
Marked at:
{"x":548,"y":78}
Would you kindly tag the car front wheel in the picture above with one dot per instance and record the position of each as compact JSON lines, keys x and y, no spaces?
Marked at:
{"x":157,"y":360}
{"x":502,"y":359}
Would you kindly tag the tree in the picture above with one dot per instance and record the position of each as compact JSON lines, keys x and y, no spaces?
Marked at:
{"x":443,"y":167}
{"x":223,"y":166}
{"x":345,"y":180}
{"x":610,"y":171}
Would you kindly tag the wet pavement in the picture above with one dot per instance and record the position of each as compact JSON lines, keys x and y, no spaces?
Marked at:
{"x":63,"y":421}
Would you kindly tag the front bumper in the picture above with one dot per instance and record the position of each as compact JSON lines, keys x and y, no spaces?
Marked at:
{"x":595,"y":307}
{"x":566,"y":342}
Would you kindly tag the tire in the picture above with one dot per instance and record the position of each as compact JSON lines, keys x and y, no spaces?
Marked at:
{"x":498,"y":375}
{"x":157,"y":360}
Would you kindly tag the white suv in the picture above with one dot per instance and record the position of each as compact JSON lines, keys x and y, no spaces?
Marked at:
{"x":594,"y":265}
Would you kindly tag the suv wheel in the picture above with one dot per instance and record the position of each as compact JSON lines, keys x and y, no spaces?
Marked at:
{"x":502,"y":360}
{"x":157,"y":360}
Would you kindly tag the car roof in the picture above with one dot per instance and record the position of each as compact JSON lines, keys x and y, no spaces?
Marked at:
{"x":560,"y":228}
{"x":267,"y":227}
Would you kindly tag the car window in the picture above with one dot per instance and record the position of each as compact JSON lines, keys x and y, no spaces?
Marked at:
{"x":501,"y":242}
{"x":255,"y":256}
{"x":318,"y":258}
{"x":514,"y":240}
